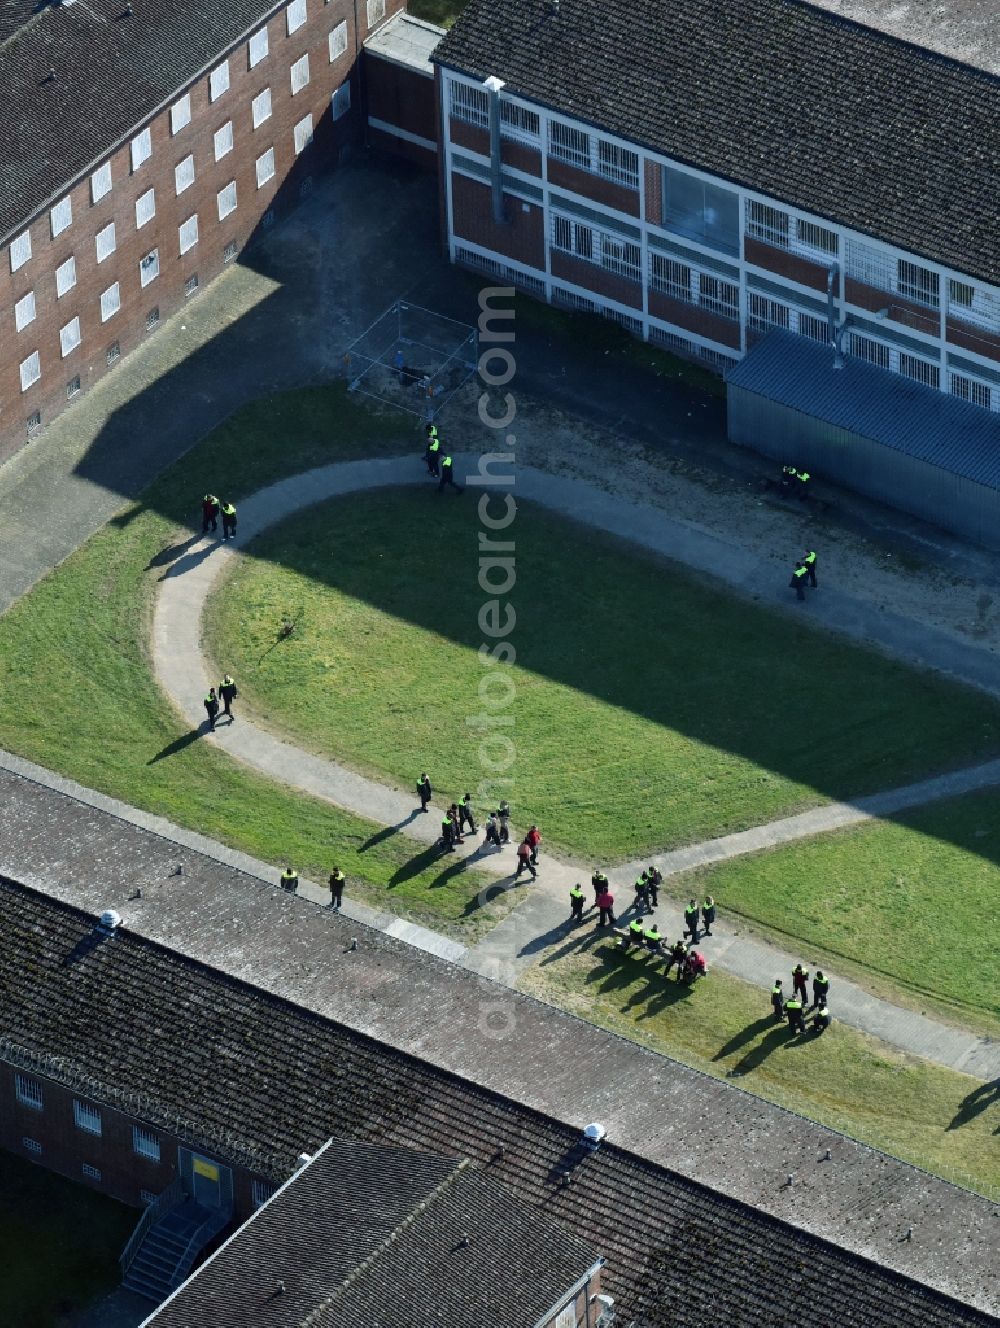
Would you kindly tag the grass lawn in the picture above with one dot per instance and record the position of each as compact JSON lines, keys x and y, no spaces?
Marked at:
{"x":442,"y":12}
{"x":59,"y":1244}
{"x":936,"y":1118}
{"x":93,"y":712}
{"x":652,"y":708}
{"x":915,"y":900}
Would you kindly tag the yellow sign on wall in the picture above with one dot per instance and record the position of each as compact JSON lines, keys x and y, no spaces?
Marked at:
{"x":207,"y":1169}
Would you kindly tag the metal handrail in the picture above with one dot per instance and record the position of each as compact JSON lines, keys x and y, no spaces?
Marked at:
{"x":163,"y":1203}
{"x":211,"y":1225}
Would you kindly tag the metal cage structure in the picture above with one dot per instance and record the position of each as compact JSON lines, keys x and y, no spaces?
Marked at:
{"x":413,"y":358}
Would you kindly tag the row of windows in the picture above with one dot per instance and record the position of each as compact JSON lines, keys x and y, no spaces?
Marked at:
{"x":619,"y":256}
{"x":29,"y":1093}
{"x":141,"y":146}
{"x":682,"y":282}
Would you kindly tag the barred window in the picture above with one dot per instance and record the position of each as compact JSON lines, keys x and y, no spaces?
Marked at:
{"x":918,"y":283}
{"x":719,"y":296}
{"x":869,"y":350}
{"x":670,"y":277}
{"x":968,"y":389}
{"x":618,"y":164}
{"x":921,"y":371}
{"x":573,"y":237}
{"x":518,"y":122}
{"x":621,"y":257}
{"x":569,"y":144}
{"x":87,"y":1118}
{"x":29,"y":1091}
{"x":145,"y":1144}
{"x":765,"y":314}
{"x":470,"y":104}
{"x":817,"y":237}
{"x":260,"y":1192}
{"x":767,"y":223}
{"x":816,"y":329}
{"x":93,"y":1173}
{"x":961,"y":293}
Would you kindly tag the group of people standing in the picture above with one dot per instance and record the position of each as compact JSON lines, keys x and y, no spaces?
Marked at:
{"x":690,"y":963}
{"x":459,"y":817}
{"x":794,"y":1009}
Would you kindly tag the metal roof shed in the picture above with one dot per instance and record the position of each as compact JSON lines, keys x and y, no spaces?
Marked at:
{"x":907,"y":445}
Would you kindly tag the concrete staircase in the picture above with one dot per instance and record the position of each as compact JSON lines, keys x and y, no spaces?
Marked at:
{"x":167,"y":1250}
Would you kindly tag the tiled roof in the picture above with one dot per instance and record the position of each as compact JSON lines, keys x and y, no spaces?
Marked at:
{"x":252,"y":1073}
{"x":843,"y":121}
{"x":111,"y":70}
{"x":389,"y":1237}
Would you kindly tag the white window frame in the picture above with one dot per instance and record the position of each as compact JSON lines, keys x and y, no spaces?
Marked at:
{"x":226,"y":200}
{"x":816,"y":239}
{"x":149,"y":268}
{"x":573,"y":237}
{"x":222,"y":140}
{"x":28,"y":1091}
{"x":260,"y":107}
{"x":299,"y":74}
{"x":87,"y":1118}
{"x":917,"y":283}
{"x":141,"y":149}
{"x":919,"y":370}
{"x":145,"y":209}
{"x":111,"y":301}
{"x":187,"y":233}
{"x":180,"y":113}
{"x":869,"y":351}
{"x":771,"y":225}
{"x":30,"y":370}
{"x":65,"y":277}
{"x":24,"y":311}
{"x":470,"y":105}
{"x":302,"y":134}
{"x":620,"y":256}
{"x":338,"y":41}
{"x":258,"y":48}
{"x":70,"y":337}
{"x":260,"y":1192}
{"x":519,"y":123}
{"x":340,"y":102}
{"x":101,"y":239}
{"x":20,"y":251}
{"x":570,"y":144}
{"x":763,"y":313}
{"x":100,"y":182}
{"x":218,"y":81}
{"x":719,"y":296}
{"x":262,"y":165}
{"x":145,"y":1143}
{"x":961,"y":294}
{"x":295,"y":16}
{"x":971,"y":390}
{"x":671,"y":277}
{"x":375,"y":12}
{"x":184,"y":174}
{"x":61,"y":216}
{"x":815,"y":327}
{"x":619,"y":164}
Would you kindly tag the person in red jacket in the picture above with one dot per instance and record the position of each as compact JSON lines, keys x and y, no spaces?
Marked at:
{"x":606,"y":903}
{"x":533,"y":838}
{"x":524,"y":862}
{"x":209,"y":513}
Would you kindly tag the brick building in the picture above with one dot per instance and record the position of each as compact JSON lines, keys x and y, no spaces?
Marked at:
{"x":704,"y":173}
{"x":144,"y":143}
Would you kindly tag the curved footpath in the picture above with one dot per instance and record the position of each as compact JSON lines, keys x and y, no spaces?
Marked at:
{"x":181,"y":672}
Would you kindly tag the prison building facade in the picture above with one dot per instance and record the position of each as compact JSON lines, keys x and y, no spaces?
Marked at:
{"x":703,"y":174}
{"x":131,"y":178}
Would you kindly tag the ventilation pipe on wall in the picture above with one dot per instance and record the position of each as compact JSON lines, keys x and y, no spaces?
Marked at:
{"x":493,"y":86}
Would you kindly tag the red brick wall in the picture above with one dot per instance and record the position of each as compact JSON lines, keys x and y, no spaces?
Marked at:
{"x":166,"y":293}
{"x":597,"y":279}
{"x":792,"y":266}
{"x":694,"y":319}
{"x":654,"y":193}
{"x":901,"y":310}
{"x":973,"y":338}
{"x":521,"y":157}
{"x":380,"y":141}
{"x":521,"y":237}
{"x":469,"y":136}
{"x":575,"y":181}
{"x":400,"y":97}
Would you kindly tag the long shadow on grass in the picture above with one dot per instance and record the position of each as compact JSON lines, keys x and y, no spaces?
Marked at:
{"x":178,"y":744}
{"x":381,"y":836}
{"x":975,"y":1103}
{"x":740,"y":1040}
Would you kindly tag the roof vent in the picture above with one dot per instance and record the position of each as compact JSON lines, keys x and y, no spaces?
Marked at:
{"x":109,"y":922}
{"x":303,"y":1160}
{"x":593,"y":1135}
{"x":553,"y":6}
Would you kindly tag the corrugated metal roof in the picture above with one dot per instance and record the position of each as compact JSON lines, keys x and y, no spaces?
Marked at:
{"x":906,"y":416}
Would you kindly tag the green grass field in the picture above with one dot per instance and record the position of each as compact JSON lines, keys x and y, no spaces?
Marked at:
{"x":936,"y":1118}
{"x":916,"y":901}
{"x":59,"y":1244}
{"x":652,"y":708}
{"x":93,"y":712}
{"x":442,"y":12}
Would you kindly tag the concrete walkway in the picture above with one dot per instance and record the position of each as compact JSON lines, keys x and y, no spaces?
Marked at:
{"x":182,"y":673}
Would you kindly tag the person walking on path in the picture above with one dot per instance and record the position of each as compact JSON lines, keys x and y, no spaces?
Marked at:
{"x":447,"y":477}
{"x":798,"y":581}
{"x":800,"y":976}
{"x":821,"y":988}
{"x":228,"y":692}
{"x":778,"y":1000}
{"x":606,"y":905}
{"x":493,"y":830}
{"x":576,"y":898}
{"x":290,"y":880}
{"x":642,"y":894}
{"x":465,"y":816}
{"x":809,"y":563}
{"x":654,"y":880}
{"x":534,"y":838}
{"x":424,"y":791}
{"x":708,"y":914}
{"x":228,"y":521}
{"x":212,"y":706}
{"x":456,"y":824}
{"x":796,"y":1019}
{"x":336,"y":884}
{"x":433,"y":451}
{"x":691,"y":915}
{"x":209,"y":513}
{"x":600,"y":883}
{"x":448,"y":832}
{"x":503,"y":816}
{"x":524,"y":862}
